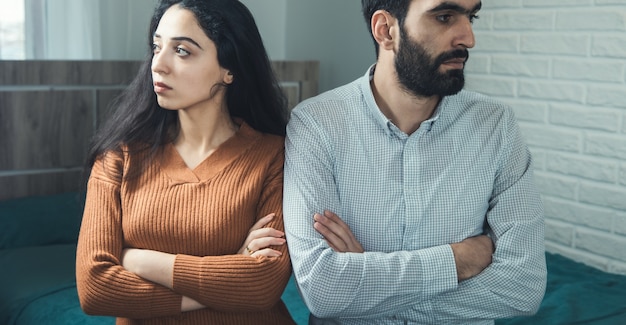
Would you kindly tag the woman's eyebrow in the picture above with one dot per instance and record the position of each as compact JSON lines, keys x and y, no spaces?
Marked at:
{"x":182,"y":38}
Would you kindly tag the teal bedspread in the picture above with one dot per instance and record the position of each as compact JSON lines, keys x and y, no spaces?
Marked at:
{"x":38,"y":286}
{"x":578,"y":294}
{"x":575,"y":294}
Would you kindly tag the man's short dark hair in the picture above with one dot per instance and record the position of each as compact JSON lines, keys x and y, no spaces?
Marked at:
{"x":397,"y":8}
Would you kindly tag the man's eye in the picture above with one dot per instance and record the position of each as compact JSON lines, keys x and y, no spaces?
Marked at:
{"x":443,"y":18}
{"x":473,"y":18}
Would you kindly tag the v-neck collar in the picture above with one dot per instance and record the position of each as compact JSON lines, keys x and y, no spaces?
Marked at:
{"x":178,"y":172}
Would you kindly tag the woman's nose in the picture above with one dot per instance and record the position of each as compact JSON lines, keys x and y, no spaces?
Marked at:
{"x":159,"y":63}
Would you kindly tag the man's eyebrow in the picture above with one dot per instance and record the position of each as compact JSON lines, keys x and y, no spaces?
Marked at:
{"x":182,"y":38}
{"x":451,"y":6}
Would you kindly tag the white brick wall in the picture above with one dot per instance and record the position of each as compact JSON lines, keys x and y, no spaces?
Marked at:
{"x":561,"y":66}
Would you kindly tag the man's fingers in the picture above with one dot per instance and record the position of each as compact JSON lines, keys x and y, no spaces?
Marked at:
{"x":333,"y":223}
{"x":338,"y":221}
{"x":336,"y":225}
{"x":331,"y":215}
{"x":335,"y":248}
{"x":333,"y":240}
{"x":323,"y":230}
{"x":336,"y":232}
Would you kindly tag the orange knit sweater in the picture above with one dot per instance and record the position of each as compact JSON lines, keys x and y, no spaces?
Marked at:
{"x":202,"y":215}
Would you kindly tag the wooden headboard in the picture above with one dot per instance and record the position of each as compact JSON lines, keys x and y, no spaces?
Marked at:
{"x":49,"y":110}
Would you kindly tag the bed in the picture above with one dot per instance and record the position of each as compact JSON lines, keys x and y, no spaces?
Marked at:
{"x":37,"y":258}
{"x":37,"y":277}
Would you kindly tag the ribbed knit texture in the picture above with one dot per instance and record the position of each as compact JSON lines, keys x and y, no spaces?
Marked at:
{"x":203,"y":216}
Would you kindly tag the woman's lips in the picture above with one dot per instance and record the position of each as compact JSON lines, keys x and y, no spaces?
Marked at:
{"x":160,"y":87}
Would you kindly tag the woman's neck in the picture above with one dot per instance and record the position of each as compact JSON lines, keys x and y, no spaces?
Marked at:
{"x":202,"y":132}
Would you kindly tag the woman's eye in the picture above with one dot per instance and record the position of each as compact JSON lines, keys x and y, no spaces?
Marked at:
{"x":181,"y":51}
{"x":155,"y":48}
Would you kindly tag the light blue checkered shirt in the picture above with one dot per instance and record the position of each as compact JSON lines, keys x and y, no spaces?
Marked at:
{"x":406,"y":198}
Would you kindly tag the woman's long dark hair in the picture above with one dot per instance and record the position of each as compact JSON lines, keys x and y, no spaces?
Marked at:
{"x":138,"y":123}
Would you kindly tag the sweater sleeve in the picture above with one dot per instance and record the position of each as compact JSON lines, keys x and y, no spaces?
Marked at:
{"x":104,"y":286}
{"x":240,"y":282}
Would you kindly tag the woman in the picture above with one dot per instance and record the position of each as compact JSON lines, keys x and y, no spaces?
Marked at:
{"x":183,"y":217}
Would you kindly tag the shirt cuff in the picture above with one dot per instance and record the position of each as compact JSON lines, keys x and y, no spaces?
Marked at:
{"x":438,"y":270}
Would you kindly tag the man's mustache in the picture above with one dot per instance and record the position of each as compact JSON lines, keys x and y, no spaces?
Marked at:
{"x":454,"y":54}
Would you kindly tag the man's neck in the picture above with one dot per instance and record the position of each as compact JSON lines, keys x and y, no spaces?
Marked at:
{"x":404,"y":109}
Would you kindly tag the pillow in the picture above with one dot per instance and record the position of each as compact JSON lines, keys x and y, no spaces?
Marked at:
{"x":41,"y":220}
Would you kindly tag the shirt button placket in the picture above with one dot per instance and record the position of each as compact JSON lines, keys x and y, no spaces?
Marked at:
{"x":411,"y":179}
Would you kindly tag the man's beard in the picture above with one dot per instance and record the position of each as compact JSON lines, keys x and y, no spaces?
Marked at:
{"x":419,"y":74}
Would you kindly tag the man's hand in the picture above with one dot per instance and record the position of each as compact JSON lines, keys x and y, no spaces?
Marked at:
{"x":337,"y":233}
{"x":472,"y":256}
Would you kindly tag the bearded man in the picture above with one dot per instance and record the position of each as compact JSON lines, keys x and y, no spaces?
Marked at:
{"x":407,"y":199}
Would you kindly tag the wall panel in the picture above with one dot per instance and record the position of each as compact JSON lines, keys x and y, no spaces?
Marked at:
{"x":49,"y":110}
{"x":44,"y":129}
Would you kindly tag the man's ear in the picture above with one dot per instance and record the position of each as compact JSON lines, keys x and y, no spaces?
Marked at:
{"x":384,"y":29}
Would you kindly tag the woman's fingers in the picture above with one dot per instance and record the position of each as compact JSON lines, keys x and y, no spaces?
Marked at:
{"x":267,"y":252}
{"x":265,"y":232}
{"x":264,"y":242}
{"x":262,"y":222}
{"x":261,"y":247}
{"x":260,"y":238}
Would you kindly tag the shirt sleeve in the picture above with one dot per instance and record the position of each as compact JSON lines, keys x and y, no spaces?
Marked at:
{"x":104,"y":286}
{"x":368,"y":285}
{"x":239,"y":282}
{"x":514,"y":284}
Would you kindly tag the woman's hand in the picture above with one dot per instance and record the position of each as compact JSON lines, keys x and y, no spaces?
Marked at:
{"x":260,"y":238}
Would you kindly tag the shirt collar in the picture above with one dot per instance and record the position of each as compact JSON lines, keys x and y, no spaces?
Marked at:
{"x":370,"y":101}
{"x":377,"y":114}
